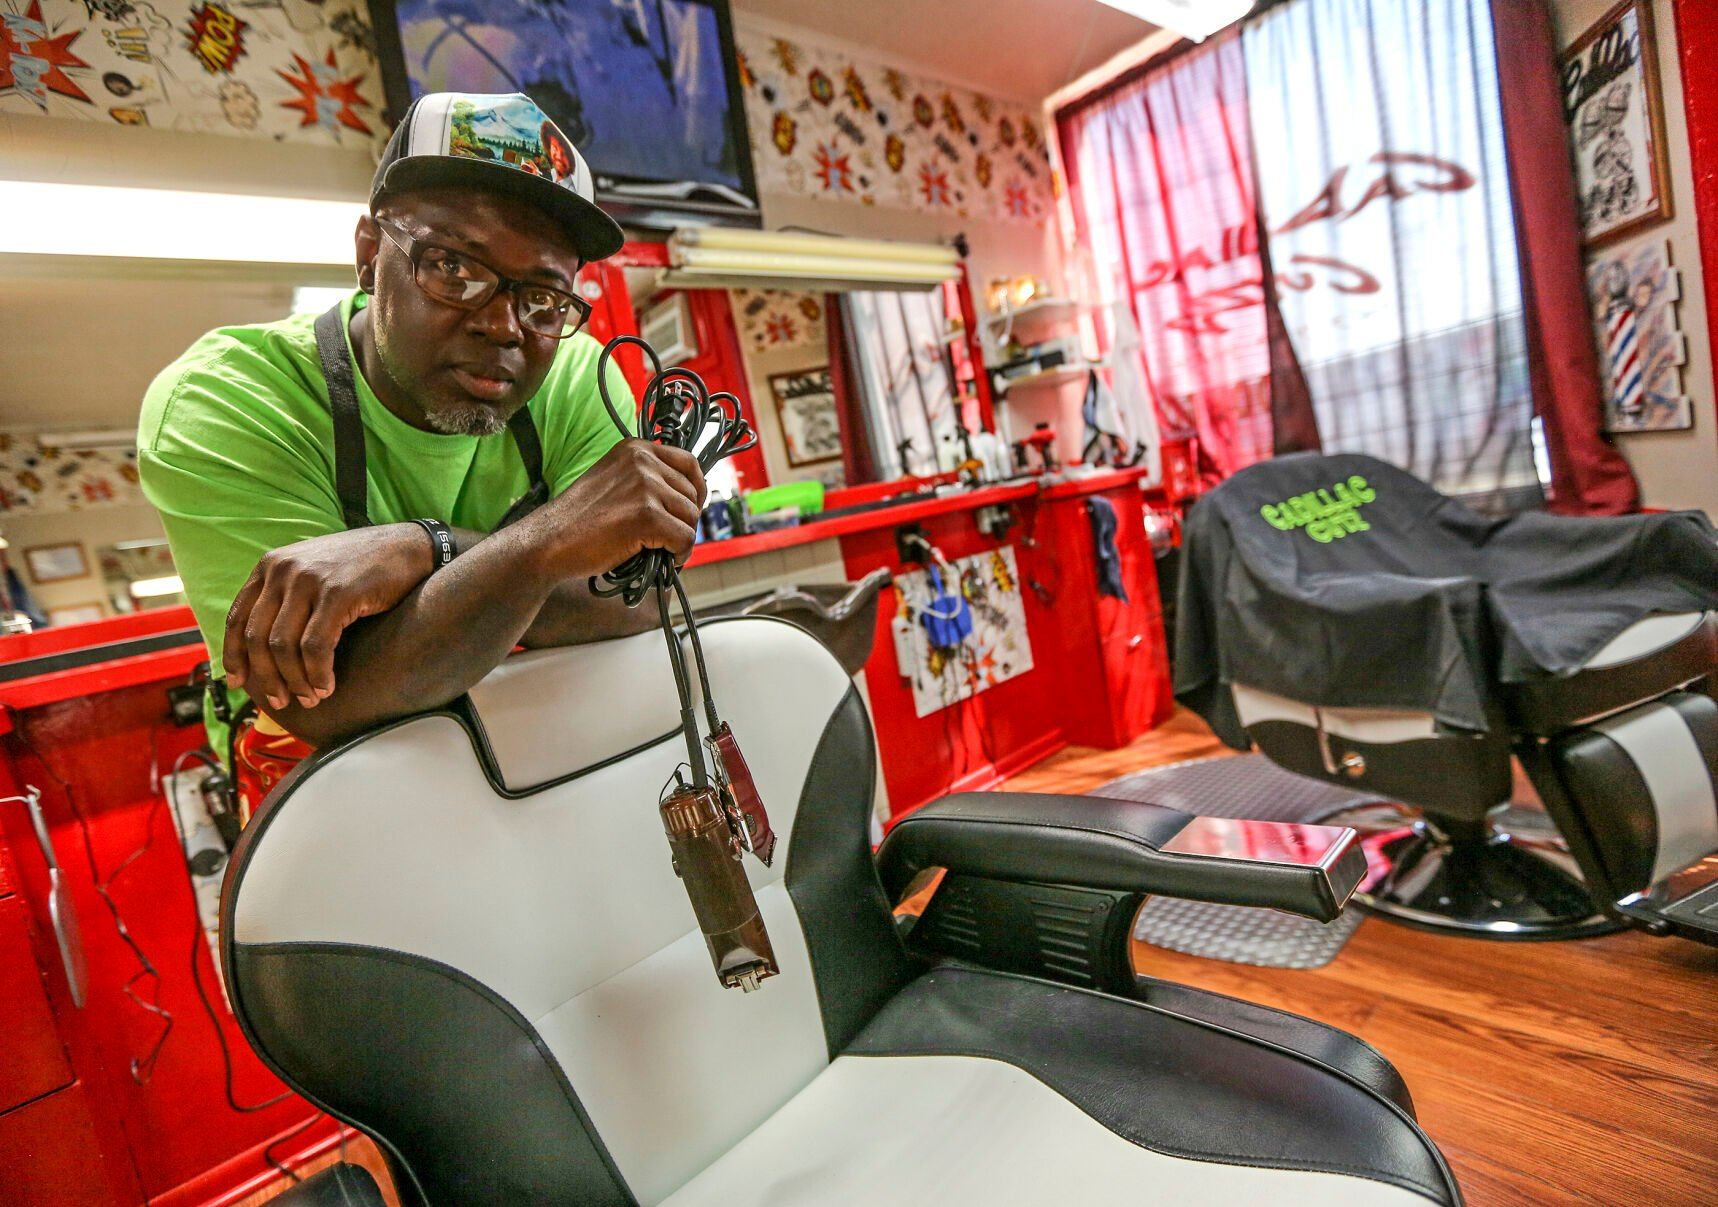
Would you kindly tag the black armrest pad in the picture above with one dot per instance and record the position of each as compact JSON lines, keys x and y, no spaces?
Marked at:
{"x":1095,"y":842}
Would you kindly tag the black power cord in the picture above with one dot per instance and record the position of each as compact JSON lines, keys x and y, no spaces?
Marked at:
{"x":676,"y":409}
{"x":207,"y":758}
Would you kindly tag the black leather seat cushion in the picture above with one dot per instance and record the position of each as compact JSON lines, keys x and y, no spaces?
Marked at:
{"x":1547,"y":705}
{"x":1338,"y":1051}
{"x":1169,"y":1081}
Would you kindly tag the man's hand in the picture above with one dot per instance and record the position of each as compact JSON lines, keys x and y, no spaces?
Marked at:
{"x":639,"y":496}
{"x":288,"y":617}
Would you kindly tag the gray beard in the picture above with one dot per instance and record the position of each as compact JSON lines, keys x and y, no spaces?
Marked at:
{"x":463,"y":419}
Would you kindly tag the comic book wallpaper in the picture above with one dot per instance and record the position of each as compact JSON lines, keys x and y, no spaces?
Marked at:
{"x":35,"y":480}
{"x":303,"y":70}
{"x":994,"y":649}
{"x":825,"y":124}
{"x":776,"y":319}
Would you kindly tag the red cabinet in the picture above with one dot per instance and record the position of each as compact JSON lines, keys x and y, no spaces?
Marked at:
{"x":35,"y":1061}
{"x":46,"y":1151}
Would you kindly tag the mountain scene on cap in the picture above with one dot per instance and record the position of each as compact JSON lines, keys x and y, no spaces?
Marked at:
{"x":510,"y":131}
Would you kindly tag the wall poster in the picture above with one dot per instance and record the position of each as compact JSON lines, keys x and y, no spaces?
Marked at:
{"x":994,"y":650}
{"x":1632,"y":292}
{"x":1615,"y":118}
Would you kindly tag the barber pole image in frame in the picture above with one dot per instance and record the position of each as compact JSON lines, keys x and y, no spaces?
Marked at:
{"x":1633,"y":291}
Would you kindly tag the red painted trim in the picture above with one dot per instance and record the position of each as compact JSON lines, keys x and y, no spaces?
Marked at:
{"x":1091,"y":484}
{"x":1697,"y":44}
{"x":160,"y":666}
{"x":870,"y":492}
{"x":975,"y":351}
{"x":216,"y":1188}
{"x":635,"y":253}
{"x":96,"y":632}
{"x":865,"y":521}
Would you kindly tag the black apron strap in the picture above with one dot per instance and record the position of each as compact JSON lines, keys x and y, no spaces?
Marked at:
{"x":349,"y":480}
{"x":531,"y":453}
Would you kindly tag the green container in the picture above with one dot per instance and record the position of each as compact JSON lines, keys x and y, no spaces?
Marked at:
{"x":806,"y":496}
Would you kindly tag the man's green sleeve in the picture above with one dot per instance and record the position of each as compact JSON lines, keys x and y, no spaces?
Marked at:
{"x":234,"y":474}
{"x":584,"y":430}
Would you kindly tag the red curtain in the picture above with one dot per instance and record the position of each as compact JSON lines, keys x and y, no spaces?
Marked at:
{"x":1588,"y":474}
{"x":1160,"y":169}
{"x":1387,"y":341}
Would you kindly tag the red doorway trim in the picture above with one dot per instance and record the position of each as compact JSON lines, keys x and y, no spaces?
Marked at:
{"x":1697,"y":45}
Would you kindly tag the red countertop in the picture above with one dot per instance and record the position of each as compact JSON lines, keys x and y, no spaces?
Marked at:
{"x":125,"y":668}
{"x":176,"y":661}
{"x":711,"y":552}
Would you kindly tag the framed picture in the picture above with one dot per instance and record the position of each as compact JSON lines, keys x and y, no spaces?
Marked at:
{"x":1615,"y":120}
{"x":810,"y":427}
{"x":75,"y":614}
{"x":51,"y":563}
{"x":1633,"y":291}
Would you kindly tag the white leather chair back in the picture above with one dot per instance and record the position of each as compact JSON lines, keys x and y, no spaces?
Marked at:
{"x":514,"y":851}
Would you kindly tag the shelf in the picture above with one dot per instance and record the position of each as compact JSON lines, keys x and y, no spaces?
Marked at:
{"x":1057,"y":376}
{"x":1037,"y":306}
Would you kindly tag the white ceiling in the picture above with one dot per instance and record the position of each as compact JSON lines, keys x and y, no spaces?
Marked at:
{"x":1024,"y":49}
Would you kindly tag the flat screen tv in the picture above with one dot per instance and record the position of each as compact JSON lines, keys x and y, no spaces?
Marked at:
{"x":647,"y":89}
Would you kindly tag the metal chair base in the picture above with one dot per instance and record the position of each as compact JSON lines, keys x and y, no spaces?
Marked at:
{"x":1508,"y":877}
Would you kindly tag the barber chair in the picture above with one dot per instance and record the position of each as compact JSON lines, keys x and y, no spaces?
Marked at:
{"x":461,"y":934}
{"x":1622,"y":748}
{"x":843,"y":616}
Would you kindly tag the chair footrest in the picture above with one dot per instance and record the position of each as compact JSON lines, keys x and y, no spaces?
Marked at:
{"x":1641,"y":790}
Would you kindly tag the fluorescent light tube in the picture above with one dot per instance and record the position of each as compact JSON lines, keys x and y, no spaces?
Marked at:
{"x":154,"y":588}
{"x":1195,"y":19}
{"x":170,"y":224}
{"x":115,"y":437}
{"x":830,"y":246}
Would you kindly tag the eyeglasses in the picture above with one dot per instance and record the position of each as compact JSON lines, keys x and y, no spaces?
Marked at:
{"x":459,"y":280}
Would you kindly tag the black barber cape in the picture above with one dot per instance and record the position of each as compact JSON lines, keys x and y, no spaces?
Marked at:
{"x":1342,"y":581}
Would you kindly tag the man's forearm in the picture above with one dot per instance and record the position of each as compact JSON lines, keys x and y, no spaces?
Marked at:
{"x":454,"y":628}
{"x":570,"y":614}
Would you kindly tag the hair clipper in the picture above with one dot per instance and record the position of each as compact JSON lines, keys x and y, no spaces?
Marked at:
{"x":733,"y":773}
{"x":707,"y":856}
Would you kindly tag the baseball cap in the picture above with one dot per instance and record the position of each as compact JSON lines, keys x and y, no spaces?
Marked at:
{"x":502,"y":142}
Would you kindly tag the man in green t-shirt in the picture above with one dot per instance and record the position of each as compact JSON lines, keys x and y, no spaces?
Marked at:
{"x":465,"y":326}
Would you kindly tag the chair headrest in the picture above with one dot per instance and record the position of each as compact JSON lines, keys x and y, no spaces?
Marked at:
{"x":539,"y":724}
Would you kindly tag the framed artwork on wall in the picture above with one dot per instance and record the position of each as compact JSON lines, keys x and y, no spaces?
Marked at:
{"x":810,"y":427}
{"x":75,"y":614}
{"x":1615,"y":120}
{"x":51,"y":563}
{"x":1632,"y":291}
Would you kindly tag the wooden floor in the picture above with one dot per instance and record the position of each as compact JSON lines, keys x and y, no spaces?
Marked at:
{"x":1548,"y":1073}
